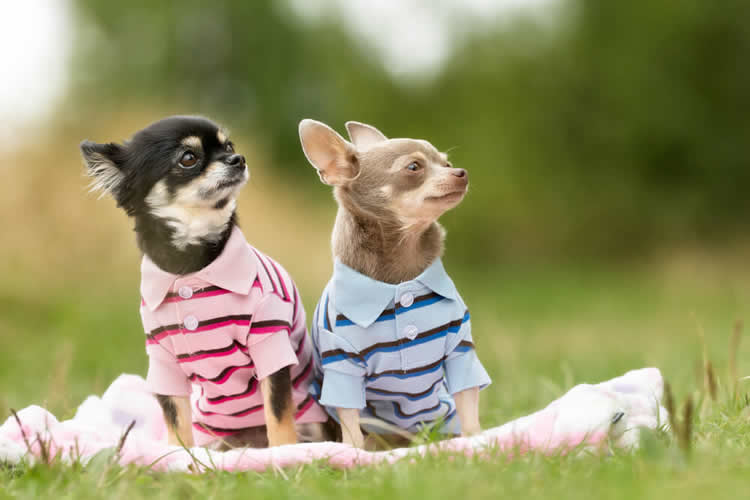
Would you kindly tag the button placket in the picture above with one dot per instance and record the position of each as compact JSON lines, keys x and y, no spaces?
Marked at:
{"x":182,"y":316}
{"x":408,"y":329}
{"x":398,"y":329}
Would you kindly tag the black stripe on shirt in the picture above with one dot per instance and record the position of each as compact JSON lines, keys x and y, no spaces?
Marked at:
{"x":406,"y":394}
{"x":205,"y":322}
{"x":250,"y":389}
{"x":221,"y":375}
{"x":407,"y":372}
{"x":394,"y":343}
{"x":219,"y":350}
{"x":271,"y":322}
{"x":402,"y":414}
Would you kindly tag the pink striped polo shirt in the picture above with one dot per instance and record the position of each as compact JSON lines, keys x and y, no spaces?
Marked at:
{"x":215,"y":333}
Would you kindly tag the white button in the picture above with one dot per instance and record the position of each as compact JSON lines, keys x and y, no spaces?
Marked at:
{"x":185,"y":292}
{"x":191,"y":322}
{"x":407,"y":299}
{"x":411,"y":331}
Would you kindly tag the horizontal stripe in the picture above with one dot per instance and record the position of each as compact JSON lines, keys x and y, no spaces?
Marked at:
{"x":389,"y":314}
{"x":396,"y":345}
{"x":211,"y":353}
{"x":399,"y":413}
{"x":252,"y":386}
{"x":240,"y":413}
{"x":423,"y":301}
{"x":410,"y":396}
{"x":339,"y":354}
{"x":414,"y":372}
{"x":221,"y":377}
{"x":223,"y":431}
{"x":157,"y":334}
{"x":269,"y":326}
{"x":371,"y":407}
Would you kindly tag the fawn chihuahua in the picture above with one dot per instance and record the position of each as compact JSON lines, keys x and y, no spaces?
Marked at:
{"x":392,"y":335}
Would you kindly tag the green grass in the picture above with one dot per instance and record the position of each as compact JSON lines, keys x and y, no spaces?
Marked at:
{"x":538,"y":332}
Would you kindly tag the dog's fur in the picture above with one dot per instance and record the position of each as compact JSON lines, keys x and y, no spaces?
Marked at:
{"x":390,"y":194}
{"x":179,"y":179}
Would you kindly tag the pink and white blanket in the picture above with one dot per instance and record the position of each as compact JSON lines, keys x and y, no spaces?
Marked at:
{"x":611,"y":413}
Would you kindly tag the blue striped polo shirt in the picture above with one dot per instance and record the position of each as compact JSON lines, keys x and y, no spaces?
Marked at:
{"x":396,"y":352}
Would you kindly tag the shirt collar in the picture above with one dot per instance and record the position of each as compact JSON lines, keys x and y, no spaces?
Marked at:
{"x":234,"y":269}
{"x":362,"y":299}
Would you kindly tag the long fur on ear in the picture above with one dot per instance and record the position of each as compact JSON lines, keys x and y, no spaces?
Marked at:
{"x":102,"y":166}
{"x":330,"y":154}
{"x":364,"y":136}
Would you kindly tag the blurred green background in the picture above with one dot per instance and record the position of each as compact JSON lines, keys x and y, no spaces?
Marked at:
{"x":606,"y":226}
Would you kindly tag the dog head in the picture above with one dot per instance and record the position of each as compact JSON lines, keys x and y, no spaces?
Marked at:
{"x":407,"y":181}
{"x":181,"y":170}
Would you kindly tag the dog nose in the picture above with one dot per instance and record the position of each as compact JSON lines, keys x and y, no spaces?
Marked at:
{"x":235,"y":161}
{"x":460,"y":172}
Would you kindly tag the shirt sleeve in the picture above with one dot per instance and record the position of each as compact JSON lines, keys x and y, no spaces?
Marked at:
{"x":165,"y":376}
{"x":463,"y":370}
{"x":268,"y":341}
{"x":343,"y":372}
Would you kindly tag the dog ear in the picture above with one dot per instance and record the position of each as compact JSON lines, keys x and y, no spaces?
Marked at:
{"x":332,"y":156}
{"x":103,"y":165}
{"x":363,"y":136}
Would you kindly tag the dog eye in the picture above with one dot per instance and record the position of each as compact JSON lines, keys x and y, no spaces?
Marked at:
{"x":188,"y":160}
{"x":413,"y":166}
{"x":229,"y":147}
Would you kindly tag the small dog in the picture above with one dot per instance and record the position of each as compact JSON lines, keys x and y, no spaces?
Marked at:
{"x":392,"y":336}
{"x":225,"y":327}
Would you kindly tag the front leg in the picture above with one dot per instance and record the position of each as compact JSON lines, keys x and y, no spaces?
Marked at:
{"x":278,"y":407}
{"x":179,"y":418}
{"x":467,"y":407}
{"x":351,"y":432}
